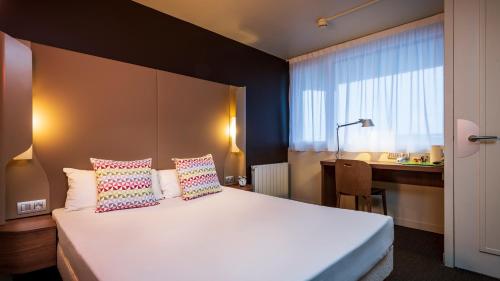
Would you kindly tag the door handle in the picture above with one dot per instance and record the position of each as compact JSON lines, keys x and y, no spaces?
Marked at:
{"x":465,"y":146}
{"x":474,"y":138}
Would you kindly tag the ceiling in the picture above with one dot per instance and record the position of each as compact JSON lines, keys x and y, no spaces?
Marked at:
{"x":287,"y":28}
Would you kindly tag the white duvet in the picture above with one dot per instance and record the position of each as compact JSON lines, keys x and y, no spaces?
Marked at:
{"x":232,"y":235}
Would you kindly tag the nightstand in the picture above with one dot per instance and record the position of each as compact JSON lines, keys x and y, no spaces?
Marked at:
{"x":27,"y":244}
{"x":247,"y":187}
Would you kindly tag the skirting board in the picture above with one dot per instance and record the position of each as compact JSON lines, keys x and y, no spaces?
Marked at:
{"x":402,"y":221}
{"x":419,"y":225}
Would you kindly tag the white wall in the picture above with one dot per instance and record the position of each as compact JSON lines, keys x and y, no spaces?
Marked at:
{"x":420,"y":207}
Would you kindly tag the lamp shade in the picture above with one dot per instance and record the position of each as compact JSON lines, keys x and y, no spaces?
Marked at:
{"x":366,"y":122}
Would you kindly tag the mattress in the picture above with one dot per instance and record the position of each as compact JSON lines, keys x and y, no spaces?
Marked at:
{"x":231,"y":235}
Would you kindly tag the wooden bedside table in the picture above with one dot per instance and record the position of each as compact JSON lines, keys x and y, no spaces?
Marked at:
{"x":27,"y":244}
{"x":247,"y":187}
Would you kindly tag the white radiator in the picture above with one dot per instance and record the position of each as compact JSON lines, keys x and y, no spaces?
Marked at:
{"x":271,"y":179}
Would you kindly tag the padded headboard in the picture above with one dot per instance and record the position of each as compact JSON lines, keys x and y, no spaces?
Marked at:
{"x":94,"y":107}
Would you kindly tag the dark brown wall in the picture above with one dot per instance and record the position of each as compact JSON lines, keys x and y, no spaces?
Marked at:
{"x":127,"y":31}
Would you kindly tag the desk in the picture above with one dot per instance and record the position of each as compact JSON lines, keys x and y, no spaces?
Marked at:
{"x":382,"y":171}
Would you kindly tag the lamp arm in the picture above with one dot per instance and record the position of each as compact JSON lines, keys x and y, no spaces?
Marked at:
{"x":337,"y":155}
{"x":348,"y":124}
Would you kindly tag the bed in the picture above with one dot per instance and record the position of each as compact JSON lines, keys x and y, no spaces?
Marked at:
{"x":231,"y":235}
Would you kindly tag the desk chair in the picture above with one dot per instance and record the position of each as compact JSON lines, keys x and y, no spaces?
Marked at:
{"x":354,"y":178}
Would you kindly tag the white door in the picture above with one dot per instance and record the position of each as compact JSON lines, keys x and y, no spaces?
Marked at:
{"x":476,"y":53}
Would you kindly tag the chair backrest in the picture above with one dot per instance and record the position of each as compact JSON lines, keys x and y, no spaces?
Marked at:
{"x":353,"y":177}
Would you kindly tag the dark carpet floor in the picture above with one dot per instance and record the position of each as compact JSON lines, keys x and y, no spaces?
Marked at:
{"x":417,"y":257}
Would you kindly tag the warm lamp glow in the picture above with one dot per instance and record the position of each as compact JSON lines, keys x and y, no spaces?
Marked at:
{"x":232,"y":134}
{"x":232,"y":128}
{"x":44,"y":127}
{"x":37,"y":121}
{"x":51,"y":119}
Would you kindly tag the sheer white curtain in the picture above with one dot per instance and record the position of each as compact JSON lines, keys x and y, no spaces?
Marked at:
{"x":397,"y":81}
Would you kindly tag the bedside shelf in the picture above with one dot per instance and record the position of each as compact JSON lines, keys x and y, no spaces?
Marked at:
{"x":27,"y":244}
{"x":247,"y":187}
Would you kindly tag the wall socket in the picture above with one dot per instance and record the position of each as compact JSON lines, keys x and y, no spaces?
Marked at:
{"x":395,"y":155}
{"x":229,"y":180}
{"x":34,"y":206}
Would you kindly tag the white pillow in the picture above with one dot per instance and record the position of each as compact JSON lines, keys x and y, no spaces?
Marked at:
{"x":155,"y":178}
{"x":82,"y":192}
{"x":169,"y":183}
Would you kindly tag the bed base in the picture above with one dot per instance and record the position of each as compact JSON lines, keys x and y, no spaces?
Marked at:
{"x":378,"y":273}
{"x":382,"y":269}
{"x":65,"y":270}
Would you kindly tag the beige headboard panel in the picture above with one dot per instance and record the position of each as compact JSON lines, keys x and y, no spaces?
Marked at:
{"x":94,"y":107}
{"x":89,"y":107}
{"x":196,"y":112}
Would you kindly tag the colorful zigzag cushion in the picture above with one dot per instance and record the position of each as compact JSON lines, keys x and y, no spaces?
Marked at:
{"x":123,"y":184}
{"x":197,"y":176}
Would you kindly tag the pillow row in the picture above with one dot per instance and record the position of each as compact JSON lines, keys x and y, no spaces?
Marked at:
{"x":115,"y":185}
{"x":82,"y":192}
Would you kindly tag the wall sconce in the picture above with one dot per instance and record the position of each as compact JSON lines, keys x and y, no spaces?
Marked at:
{"x":27,"y":155}
{"x":232,"y":134}
{"x":37,"y":121}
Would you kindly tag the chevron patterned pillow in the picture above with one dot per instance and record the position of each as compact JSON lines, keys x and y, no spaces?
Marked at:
{"x":197,"y":176}
{"x":123,"y":184}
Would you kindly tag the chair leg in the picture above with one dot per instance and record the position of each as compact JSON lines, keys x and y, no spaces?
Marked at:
{"x":384,"y":203}
{"x":369,"y":203}
{"x":338,"y":200}
{"x":356,"y":203}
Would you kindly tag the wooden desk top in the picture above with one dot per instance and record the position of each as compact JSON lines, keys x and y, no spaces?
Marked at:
{"x":394,"y":166}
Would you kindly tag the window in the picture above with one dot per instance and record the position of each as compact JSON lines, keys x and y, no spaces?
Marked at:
{"x":397,"y":81}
